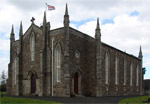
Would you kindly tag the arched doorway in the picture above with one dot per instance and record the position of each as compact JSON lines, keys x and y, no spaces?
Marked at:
{"x":33,"y":83}
{"x":76,"y":83}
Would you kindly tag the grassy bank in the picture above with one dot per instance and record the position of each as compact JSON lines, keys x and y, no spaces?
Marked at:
{"x":135,"y":100}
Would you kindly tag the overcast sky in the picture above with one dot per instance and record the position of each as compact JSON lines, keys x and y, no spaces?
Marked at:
{"x":124,"y":23}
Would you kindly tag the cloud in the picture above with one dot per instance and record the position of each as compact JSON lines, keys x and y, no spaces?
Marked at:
{"x":124,"y":23}
{"x":88,"y":28}
{"x":27,"y":5}
{"x":126,"y":33}
{"x":125,"y":30}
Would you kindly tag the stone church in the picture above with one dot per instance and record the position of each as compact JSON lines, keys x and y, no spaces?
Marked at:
{"x":65,"y":62}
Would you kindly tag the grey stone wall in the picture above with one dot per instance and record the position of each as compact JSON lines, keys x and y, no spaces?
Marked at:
{"x":58,"y":87}
{"x":85,"y":65}
{"x":28,"y":65}
{"x":111,"y":89}
{"x":86,"y":62}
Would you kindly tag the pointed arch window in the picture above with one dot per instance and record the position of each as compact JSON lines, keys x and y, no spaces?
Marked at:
{"x":32,"y":47}
{"x":116,"y":70}
{"x":137,"y":75}
{"x":131,"y":75}
{"x":58,"y":62}
{"x":125,"y":71}
{"x":15,"y":69}
{"x":106,"y":68}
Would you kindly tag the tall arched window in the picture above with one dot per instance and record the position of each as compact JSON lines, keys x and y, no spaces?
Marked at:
{"x":131,"y":75}
{"x":137,"y":75}
{"x":58,"y":62}
{"x":32,"y":47}
{"x":116,"y":70}
{"x":106,"y":68}
{"x":15,"y":69}
{"x":125,"y":71}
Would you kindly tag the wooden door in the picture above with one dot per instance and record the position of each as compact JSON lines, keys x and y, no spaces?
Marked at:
{"x":33,"y":83}
{"x":76,"y":83}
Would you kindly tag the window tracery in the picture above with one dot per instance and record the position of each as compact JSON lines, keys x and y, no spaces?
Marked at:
{"x":32,"y":47}
{"x":58,"y":62}
{"x":106,"y":68}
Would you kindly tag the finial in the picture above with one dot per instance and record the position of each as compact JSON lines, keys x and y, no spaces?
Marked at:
{"x":12,"y":30}
{"x":21,"y":30}
{"x":140,"y":48}
{"x":98,"y":27}
{"x":66,"y":12}
{"x":97,"y":30}
{"x":66,"y":17}
{"x":12,"y":37}
{"x":44,"y":19}
{"x":32,"y":20}
{"x":140,"y":52}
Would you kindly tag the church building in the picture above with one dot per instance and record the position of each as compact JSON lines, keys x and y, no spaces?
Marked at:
{"x":65,"y":62}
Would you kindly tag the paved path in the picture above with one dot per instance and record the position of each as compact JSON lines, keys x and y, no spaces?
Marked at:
{"x":81,"y":100}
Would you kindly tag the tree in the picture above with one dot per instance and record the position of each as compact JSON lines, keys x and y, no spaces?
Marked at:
{"x":144,"y":70}
{"x":3,"y":82}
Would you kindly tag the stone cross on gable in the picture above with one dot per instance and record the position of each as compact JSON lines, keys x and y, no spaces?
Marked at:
{"x":32,"y":20}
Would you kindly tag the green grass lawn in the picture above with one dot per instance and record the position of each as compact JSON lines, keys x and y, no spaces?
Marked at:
{"x":3,"y":93}
{"x":135,"y":100}
{"x":12,"y":100}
